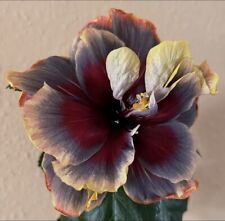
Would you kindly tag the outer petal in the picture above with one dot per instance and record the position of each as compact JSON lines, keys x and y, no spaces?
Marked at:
{"x":166,"y":151}
{"x":48,"y":170}
{"x":179,"y":100}
{"x":63,"y":127}
{"x":210,"y":79}
{"x":162,"y":61}
{"x":188,"y":117}
{"x":101,"y":23}
{"x":104,"y":171}
{"x":144,"y":187}
{"x":138,"y":34}
{"x":122,"y":67}
{"x":90,"y":58}
{"x":58,"y":72}
{"x":66,"y":199}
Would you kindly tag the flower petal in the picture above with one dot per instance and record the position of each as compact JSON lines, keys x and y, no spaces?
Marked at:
{"x":188,"y":117}
{"x":210,"y":79}
{"x":64,"y":127}
{"x":101,"y":23}
{"x":66,"y":199}
{"x":58,"y":72}
{"x":104,"y":171}
{"x":122,"y":67}
{"x":162,"y":61}
{"x":166,"y":151}
{"x":144,"y":187}
{"x":137,"y":34}
{"x":48,"y":170}
{"x":90,"y":58}
{"x":179,"y":100}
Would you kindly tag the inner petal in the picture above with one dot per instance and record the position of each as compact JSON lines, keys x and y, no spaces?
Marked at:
{"x":122,"y":67}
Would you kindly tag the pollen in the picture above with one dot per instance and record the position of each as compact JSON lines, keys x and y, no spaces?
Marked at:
{"x":92,"y":196}
{"x":142,"y":102}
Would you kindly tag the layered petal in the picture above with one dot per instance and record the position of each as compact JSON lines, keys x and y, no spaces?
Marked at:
{"x":66,"y":199}
{"x":132,"y":30}
{"x":122,"y":67}
{"x":179,"y":99}
{"x":188,"y":117}
{"x":162,"y":61}
{"x":90,"y":57}
{"x":104,"y":171}
{"x":58,"y":72}
{"x":144,"y":187}
{"x":137,"y":34}
{"x":63,"y":127}
{"x":101,"y":23}
{"x":166,"y":150}
{"x":210,"y":79}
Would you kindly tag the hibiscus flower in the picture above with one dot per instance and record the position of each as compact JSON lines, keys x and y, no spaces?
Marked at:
{"x":116,"y":113}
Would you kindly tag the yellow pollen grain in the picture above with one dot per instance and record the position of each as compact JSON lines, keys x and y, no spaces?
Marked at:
{"x":142,"y":103}
{"x":92,"y":196}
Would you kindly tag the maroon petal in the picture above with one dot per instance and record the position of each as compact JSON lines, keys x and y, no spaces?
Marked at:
{"x":90,"y":57}
{"x":58,"y":72}
{"x":144,"y":187}
{"x":66,"y":199}
{"x":166,"y":150}
{"x":104,"y":171}
{"x":62,"y":126}
{"x":179,"y":100}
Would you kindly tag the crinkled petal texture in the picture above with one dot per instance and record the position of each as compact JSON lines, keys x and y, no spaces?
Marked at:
{"x":66,"y":199}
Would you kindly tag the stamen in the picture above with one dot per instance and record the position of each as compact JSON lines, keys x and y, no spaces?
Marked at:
{"x":92,"y":195}
{"x":142,"y":102}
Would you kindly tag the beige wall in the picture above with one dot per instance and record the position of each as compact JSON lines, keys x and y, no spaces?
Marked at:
{"x":33,"y":30}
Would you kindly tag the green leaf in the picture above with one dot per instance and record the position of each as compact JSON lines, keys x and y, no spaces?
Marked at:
{"x":118,"y":207}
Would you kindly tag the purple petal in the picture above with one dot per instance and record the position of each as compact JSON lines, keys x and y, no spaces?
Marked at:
{"x":188,"y":117}
{"x":58,"y":72}
{"x":63,"y":127}
{"x":144,"y":187}
{"x":137,"y":34}
{"x":166,"y":150}
{"x":179,"y":100}
{"x":104,"y":171}
{"x":90,"y":58}
{"x":66,"y":199}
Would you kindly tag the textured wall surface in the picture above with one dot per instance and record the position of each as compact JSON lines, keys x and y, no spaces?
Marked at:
{"x":33,"y":30}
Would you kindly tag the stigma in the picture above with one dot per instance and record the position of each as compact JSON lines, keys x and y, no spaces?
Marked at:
{"x":142,"y":102}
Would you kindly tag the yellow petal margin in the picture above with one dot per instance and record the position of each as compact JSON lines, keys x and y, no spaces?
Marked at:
{"x":210,"y":79}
